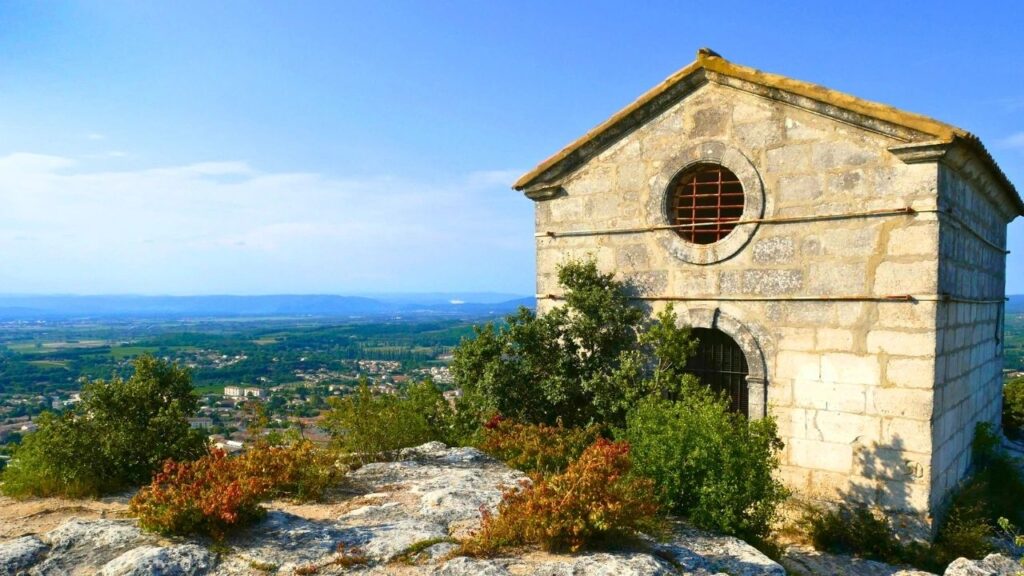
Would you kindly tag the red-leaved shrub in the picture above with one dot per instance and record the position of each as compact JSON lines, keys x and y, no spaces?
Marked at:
{"x":218,"y":492}
{"x":537,"y":449}
{"x":595,"y":500}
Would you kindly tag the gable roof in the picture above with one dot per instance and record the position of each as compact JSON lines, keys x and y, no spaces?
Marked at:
{"x":912,"y":127}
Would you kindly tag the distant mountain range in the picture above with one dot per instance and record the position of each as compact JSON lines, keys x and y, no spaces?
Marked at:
{"x":1016,"y":303}
{"x":458,"y":305}
{"x":62,"y":307}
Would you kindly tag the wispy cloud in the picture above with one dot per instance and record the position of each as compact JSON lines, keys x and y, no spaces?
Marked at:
{"x":1013,"y":141}
{"x":95,"y":136}
{"x":69,"y":226}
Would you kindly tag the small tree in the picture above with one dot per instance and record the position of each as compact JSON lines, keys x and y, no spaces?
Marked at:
{"x":372,"y":426}
{"x":586,"y":361}
{"x":115,"y":438}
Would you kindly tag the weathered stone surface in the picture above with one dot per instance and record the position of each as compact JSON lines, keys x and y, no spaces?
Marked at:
{"x":433,"y":493}
{"x":83,"y":547}
{"x":182,"y":560}
{"x":20,"y":553}
{"x":804,"y":561}
{"x":728,"y":554}
{"x":991,"y":565}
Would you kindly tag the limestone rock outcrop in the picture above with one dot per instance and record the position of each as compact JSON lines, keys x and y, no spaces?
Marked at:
{"x":430,"y":497}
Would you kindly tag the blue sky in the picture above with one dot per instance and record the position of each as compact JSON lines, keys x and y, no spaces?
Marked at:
{"x":335,"y":147}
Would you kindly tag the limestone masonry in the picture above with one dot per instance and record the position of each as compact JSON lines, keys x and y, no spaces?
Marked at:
{"x":863,"y":281}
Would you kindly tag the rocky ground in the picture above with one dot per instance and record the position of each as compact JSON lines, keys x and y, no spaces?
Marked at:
{"x":397,"y":518}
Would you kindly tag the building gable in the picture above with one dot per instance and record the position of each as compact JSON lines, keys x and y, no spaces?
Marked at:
{"x":921,"y":138}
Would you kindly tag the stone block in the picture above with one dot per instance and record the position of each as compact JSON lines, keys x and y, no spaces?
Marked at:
{"x":911,"y":372}
{"x":837,"y":279}
{"x":837,"y":153}
{"x":798,"y":365}
{"x":907,"y":315}
{"x":859,"y":242}
{"x":710,"y":122}
{"x":849,"y":183}
{"x":921,"y":240}
{"x":842,"y":427}
{"x":632,"y":257}
{"x":799,"y":189}
{"x":842,"y":368}
{"x":772,"y":282}
{"x":795,"y":477}
{"x":835,"y":339}
{"x":797,"y":339}
{"x":803,"y":130}
{"x":819,"y":455}
{"x":698,"y":281}
{"x":898,"y":278}
{"x":912,"y":435}
{"x":790,"y":159}
{"x":905,"y":496}
{"x":901,"y":343}
{"x":907,"y":403}
{"x":566,"y":209}
{"x":823,"y":396}
{"x":776,"y":249}
{"x":757,"y":135}
{"x":746,"y":111}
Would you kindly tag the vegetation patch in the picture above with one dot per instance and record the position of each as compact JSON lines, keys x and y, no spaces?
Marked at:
{"x":1013,"y":408}
{"x":216,"y":494}
{"x":710,"y":464}
{"x":113,"y":439}
{"x":536,"y":449}
{"x":586,"y":361}
{"x":595,"y":502}
{"x":412,"y":554}
{"x":989,"y":502}
{"x":374,"y":426}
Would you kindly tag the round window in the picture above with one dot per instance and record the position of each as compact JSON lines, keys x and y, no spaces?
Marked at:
{"x":704,"y":203}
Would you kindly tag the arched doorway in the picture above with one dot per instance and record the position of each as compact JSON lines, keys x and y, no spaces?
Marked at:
{"x":721,"y":365}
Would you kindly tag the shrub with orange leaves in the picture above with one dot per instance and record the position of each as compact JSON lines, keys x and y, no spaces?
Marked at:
{"x":595,"y":500}
{"x":206,"y":496}
{"x":537,"y":449}
{"x":218,"y":492}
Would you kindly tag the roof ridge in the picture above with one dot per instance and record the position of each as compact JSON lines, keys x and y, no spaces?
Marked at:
{"x":709,"y":60}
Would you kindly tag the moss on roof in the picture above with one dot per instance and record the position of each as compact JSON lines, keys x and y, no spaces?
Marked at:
{"x":711,"y":61}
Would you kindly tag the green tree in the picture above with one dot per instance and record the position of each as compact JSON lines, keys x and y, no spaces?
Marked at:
{"x":585,"y":361}
{"x":373,"y":426}
{"x":115,"y":438}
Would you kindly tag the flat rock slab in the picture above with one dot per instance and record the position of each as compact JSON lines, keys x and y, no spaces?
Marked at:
{"x":432,"y":495}
{"x":806,"y":561}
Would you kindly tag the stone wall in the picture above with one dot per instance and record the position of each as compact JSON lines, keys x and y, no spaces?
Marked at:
{"x":850,"y":383}
{"x":969,"y":360}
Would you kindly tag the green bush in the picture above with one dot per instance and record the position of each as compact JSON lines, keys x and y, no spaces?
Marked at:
{"x":537,"y":449}
{"x":586,"y":361}
{"x":710,"y":464}
{"x":854,"y":530}
{"x":373,"y":426}
{"x":993,"y":495}
{"x":115,"y":438}
{"x":1013,"y":407}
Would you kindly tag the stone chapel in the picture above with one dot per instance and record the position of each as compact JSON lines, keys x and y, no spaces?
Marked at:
{"x":841,"y":262}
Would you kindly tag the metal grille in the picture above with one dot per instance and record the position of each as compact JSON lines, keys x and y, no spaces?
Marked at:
{"x":720,"y":364}
{"x":706,"y":201}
